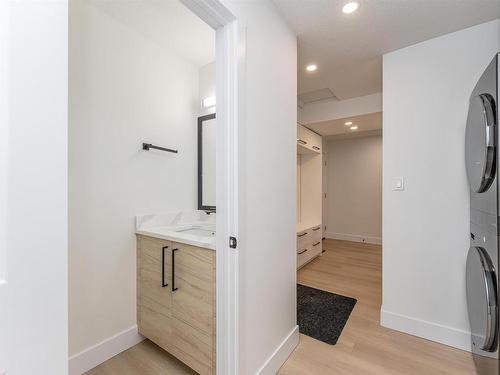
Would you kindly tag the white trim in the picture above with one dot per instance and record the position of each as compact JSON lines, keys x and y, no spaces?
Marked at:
{"x":229,"y":68}
{"x":213,"y":12}
{"x":4,"y":133}
{"x":354,"y":238}
{"x":428,"y":330}
{"x":101,"y":352}
{"x":281,"y":354}
{"x":230,"y":58}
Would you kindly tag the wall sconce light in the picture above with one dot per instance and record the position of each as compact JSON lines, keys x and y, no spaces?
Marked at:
{"x":209,"y":102}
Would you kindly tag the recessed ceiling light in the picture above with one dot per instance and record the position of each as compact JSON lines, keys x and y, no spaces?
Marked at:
{"x":311,"y":67}
{"x":348,"y":123}
{"x":350,"y":7}
{"x":353,"y":127}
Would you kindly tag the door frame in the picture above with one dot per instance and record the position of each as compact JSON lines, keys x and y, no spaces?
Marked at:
{"x":230,"y":60}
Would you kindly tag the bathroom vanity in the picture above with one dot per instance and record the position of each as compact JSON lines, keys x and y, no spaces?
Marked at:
{"x":176,"y":285}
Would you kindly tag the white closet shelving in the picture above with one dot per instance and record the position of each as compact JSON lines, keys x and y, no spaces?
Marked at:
{"x":309,"y":194}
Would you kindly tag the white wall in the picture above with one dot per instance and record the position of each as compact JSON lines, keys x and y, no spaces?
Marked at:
{"x":354,"y":184}
{"x":426,"y":227}
{"x":124,"y":89}
{"x":267,"y":189}
{"x":36,"y":303}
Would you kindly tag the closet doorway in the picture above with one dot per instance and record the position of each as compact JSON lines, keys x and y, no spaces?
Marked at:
{"x":339,"y":223}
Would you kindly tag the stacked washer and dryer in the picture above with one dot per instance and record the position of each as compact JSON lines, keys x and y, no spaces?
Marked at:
{"x":482,"y":161}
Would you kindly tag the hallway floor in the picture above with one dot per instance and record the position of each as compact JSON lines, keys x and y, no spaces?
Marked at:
{"x":365,"y":348}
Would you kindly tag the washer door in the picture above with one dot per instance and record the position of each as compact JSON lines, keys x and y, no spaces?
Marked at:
{"x":482,"y":300}
{"x":480,"y":144}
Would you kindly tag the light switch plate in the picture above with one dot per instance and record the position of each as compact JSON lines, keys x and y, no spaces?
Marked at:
{"x":399,"y":183}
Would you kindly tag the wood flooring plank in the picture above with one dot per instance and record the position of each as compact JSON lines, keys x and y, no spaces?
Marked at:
{"x":366,"y":348}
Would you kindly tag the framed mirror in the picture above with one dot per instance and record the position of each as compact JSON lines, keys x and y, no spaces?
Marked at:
{"x":206,"y":162}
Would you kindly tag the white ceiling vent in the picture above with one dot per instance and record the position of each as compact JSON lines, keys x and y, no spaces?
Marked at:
{"x":315,"y":95}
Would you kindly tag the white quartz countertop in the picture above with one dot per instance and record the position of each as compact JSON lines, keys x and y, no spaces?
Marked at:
{"x":195,"y":228}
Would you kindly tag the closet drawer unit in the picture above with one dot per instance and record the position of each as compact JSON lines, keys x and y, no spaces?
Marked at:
{"x":302,"y":135}
{"x":315,"y":141}
{"x":316,"y":234}
{"x":305,"y":255}
{"x":308,"y":140}
{"x":304,"y":238}
{"x":317,"y":247}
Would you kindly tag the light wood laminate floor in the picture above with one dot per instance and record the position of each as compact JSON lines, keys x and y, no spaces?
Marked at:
{"x":364,"y":348}
{"x":143,"y":359}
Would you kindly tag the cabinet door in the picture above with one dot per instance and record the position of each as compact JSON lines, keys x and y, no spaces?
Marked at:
{"x":154,"y":296}
{"x":193,"y":303}
{"x":193,"y":347}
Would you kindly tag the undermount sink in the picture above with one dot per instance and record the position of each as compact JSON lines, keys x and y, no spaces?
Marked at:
{"x":198,"y":231}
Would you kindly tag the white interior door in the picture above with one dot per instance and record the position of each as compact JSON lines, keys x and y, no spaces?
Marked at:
{"x":229,"y":64}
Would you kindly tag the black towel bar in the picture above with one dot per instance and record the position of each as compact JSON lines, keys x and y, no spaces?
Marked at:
{"x":147,"y":146}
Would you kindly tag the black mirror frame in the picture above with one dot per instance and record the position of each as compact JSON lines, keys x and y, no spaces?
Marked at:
{"x":200,"y":163}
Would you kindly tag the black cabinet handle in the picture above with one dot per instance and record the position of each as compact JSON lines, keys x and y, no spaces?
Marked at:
{"x":316,"y":244}
{"x":301,"y":235}
{"x":316,"y":147}
{"x":315,"y":229}
{"x":301,"y":141}
{"x":302,"y":252}
{"x":163,"y":283}
{"x":173,"y":270}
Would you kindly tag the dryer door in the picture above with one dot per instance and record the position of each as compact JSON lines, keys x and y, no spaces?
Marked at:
{"x":482,"y":301}
{"x":480,"y":141}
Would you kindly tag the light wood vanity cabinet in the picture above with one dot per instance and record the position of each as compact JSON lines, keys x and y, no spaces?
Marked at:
{"x":176,"y":300}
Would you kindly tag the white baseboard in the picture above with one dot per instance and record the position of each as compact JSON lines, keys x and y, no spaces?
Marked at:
{"x":101,"y":352}
{"x":281,"y":354}
{"x":354,"y":238}
{"x":428,"y":330}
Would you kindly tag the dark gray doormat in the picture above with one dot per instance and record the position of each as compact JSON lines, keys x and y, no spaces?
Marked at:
{"x":322,"y":315}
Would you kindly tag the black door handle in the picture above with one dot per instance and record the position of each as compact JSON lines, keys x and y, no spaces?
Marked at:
{"x":163,"y":283}
{"x":173,"y":270}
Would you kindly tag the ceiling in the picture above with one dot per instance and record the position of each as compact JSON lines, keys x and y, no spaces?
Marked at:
{"x":167,"y":23}
{"x":369,"y":124}
{"x":348,"y":48}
